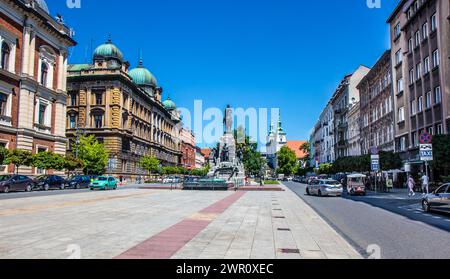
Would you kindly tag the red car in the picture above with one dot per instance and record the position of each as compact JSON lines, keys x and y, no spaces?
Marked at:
{"x":14,"y":183}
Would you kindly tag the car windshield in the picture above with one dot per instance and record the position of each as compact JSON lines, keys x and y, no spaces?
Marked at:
{"x":331,"y":182}
{"x":102,"y":179}
{"x":5,"y":177}
{"x":42,"y":177}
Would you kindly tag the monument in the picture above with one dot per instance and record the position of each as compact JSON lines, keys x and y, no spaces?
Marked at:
{"x":226,"y":163}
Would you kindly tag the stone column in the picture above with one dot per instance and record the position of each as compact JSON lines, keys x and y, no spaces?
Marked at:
{"x":32,"y":55}
{"x":26,"y":50}
{"x":61,"y":70}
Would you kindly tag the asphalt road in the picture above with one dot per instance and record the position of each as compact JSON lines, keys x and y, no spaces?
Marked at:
{"x":398,"y":227}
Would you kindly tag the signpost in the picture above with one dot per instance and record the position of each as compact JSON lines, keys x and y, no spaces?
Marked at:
{"x":375,"y":162}
{"x":426,"y":149}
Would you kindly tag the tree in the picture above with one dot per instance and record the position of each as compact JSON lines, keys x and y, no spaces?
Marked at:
{"x":326,"y":169}
{"x":287,"y":161}
{"x":390,"y":161}
{"x":48,"y":161}
{"x":150,"y":164}
{"x":93,"y":154}
{"x":306,"y":148}
{"x":255,"y":163}
{"x":71,"y":163}
{"x":19,"y":158}
{"x":441,"y":153}
{"x":3,"y":155}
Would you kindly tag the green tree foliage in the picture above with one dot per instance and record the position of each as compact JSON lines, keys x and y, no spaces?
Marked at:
{"x":93,"y":154}
{"x":441,"y":153}
{"x":287,"y":161}
{"x":150,"y":164}
{"x":18,"y":158}
{"x":3,"y":155}
{"x":48,"y":161}
{"x":388,"y":161}
{"x":71,"y":163}
{"x":255,"y":163}
{"x":326,"y":169}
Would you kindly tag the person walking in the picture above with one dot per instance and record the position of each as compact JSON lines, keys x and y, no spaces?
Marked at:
{"x":425,"y":184}
{"x":411,"y":185}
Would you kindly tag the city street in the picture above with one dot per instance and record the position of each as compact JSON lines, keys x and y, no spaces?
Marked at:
{"x":395,"y":223}
{"x":160,"y":224}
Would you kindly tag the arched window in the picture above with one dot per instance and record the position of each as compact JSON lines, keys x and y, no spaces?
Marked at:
{"x":44,"y":73}
{"x":6,"y":52}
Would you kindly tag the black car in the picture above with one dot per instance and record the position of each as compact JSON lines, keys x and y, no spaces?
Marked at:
{"x":48,"y":182}
{"x":12,"y":183}
{"x":79,"y":182}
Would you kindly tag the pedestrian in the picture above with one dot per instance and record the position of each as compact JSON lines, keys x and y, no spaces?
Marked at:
{"x":425,"y":184}
{"x":411,"y":185}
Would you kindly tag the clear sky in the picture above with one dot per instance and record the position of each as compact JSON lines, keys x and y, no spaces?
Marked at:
{"x":287,"y":54}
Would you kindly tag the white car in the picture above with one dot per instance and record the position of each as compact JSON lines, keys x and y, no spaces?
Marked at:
{"x":325,"y":187}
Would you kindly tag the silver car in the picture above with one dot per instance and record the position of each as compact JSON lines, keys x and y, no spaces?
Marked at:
{"x":439,"y":200}
{"x":325,"y":187}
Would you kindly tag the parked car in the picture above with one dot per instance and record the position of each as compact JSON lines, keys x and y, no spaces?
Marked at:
{"x":104,"y":183}
{"x":325,"y":187}
{"x":79,"y":182}
{"x":50,"y":182}
{"x":439,"y":200}
{"x":13,"y":183}
{"x":356,"y":184}
{"x":171,"y":180}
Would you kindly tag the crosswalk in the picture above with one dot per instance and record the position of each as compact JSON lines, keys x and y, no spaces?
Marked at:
{"x":417,"y":209}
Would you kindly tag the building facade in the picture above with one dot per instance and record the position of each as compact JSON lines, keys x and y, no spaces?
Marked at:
{"x":200,"y":161}
{"x":420,"y":35}
{"x":275,"y":141}
{"x":377,"y":107}
{"x":343,"y":99}
{"x":354,"y":132}
{"x":188,"y":148}
{"x":122,"y":108}
{"x":33,"y":63}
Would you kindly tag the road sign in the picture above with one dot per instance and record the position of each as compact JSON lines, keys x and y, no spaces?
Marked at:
{"x":375,"y":163}
{"x":426,"y":152}
{"x":425,"y":138}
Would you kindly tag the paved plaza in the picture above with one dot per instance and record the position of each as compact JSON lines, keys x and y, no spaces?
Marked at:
{"x":151,"y":224}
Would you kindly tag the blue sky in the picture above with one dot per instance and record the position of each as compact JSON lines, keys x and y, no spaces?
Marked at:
{"x":287,"y":54}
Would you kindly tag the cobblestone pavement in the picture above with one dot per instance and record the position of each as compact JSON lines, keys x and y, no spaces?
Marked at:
{"x":137,"y":223}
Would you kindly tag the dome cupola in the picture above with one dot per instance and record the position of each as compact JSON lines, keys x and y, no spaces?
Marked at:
{"x":108,"y":51}
{"x":142,"y":76}
{"x":169,"y":104}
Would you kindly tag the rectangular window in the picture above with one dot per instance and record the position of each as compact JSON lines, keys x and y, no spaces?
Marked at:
{"x":426,"y":65}
{"x":72,"y":121}
{"x":415,"y":139}
{"x":98,"y":121}
{"x":401,"y":114}
{"x":411,"y":76}
{"x":98,"y":98}
{"x":402,"y":143}
{"x":428,"y":100}
{"x":398,"y":57}
{"x":413,"y":107}
{"x":42,"y":110}
{"x":397,"y":30}
{"x":425,"y":30}
{"x":400,"y":85}
{"x":420,"y":104}
{"x":434,"y":23}
{"x":410,"y":45}
{"x":431,"y":131}
{"x":3,"y":102}
{"x":439,"y":129}
{"x":436,"y":58}
{"x":419,"y":71}
{"x":437,"y":95}
{"x":417,"y":36}
{"x":73,"y":99}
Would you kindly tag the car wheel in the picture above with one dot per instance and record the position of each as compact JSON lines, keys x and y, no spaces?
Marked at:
{"x":307,"y":192}
{"x":6,"y":190}
{"x":46,"y":187}
{"x":77,"y":187}
{"x":29,"y":188}
{"x":426,"y":206}
{"x":62,"y":187}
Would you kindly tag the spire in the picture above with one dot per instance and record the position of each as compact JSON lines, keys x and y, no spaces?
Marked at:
{"x":280,"y":124}
{"x":109,"y":39}
{"x":141,"y":62}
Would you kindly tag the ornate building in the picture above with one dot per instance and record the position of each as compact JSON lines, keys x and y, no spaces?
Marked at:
{"x":33,"y":63}
{"x":377,"y":112}
{"x":275,"y":141}
{"x":123,"y":109}
{"x":188,"y":149}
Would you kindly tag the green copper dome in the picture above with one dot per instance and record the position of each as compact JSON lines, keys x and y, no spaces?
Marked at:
{"x":169,"y":104}
{"x":108,"y":50}
{"x":141,"y":76}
